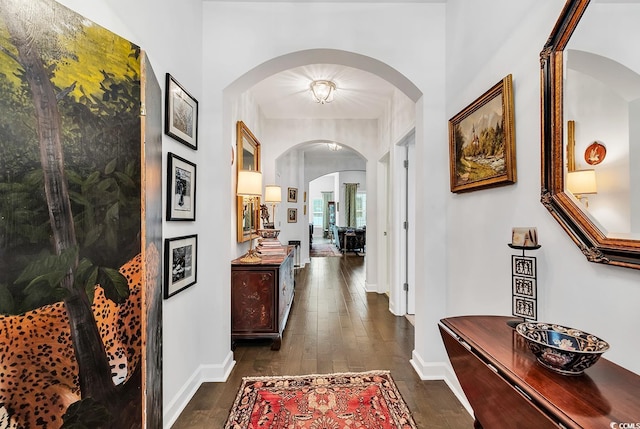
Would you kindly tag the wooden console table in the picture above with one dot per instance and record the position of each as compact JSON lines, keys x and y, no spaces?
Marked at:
{"x":506,"y":387}
{"x":261,"y":298}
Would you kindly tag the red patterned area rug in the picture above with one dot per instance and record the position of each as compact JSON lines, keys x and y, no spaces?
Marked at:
{"x":322,"y":250}
{"x":365,"y":400}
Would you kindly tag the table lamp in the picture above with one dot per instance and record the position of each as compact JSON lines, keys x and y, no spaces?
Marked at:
{"x":250,"y":188}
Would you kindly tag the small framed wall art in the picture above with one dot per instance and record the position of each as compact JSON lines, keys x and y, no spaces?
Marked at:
{"x":180,"y":114}
{"x":180,"y":264}
{"x":292,"y":215}
{"x":292,"y":195}
{"x":181,"y":188}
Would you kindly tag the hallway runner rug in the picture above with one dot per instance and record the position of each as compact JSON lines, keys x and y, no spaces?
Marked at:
{"x":368,"y":400}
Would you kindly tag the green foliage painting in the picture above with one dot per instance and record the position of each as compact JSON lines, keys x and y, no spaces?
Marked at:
{"x":69,"y":180}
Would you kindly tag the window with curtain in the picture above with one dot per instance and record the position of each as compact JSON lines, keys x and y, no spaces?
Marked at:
{"x":361,"y":209}
{"x":317,"y":212}
{"x":351,"y":189}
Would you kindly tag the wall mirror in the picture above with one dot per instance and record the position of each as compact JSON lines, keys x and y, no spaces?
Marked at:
{"x":591,"y":127}
{"x":248,"y":158}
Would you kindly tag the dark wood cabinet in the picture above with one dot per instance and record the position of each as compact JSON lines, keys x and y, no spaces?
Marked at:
{"x":506,"y":387}
{"x":261,"y":298}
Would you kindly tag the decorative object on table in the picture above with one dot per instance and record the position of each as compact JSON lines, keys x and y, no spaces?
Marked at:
{"x":524,"y":293}
{"x":180,"y":264}
{"x":181,"y":188}
{"x":482,"y":151}
{"x":567,"y":351}
{"x":181,"y":113}
{"x":293,"y":195}
{"x":524,"y":237}
{"x":367,"y":399}
{"x":248,"y":158}
{"x":595,"y":153}
{"x":249,"y":187}
{"x":273,"y":195}
{"x":292,"y":215}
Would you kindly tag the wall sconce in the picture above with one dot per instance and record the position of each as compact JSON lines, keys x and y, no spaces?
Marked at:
{"x":273,"y":195}
{"x":581,"y":182}
{"x":250,"y":188}
{"x":323,"y":91}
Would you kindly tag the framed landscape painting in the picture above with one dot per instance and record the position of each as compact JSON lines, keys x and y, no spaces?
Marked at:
{"x":482,"y":151}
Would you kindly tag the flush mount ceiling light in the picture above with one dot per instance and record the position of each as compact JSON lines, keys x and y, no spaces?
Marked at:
{"x":334,"y":146}
{"x":323,"y":91}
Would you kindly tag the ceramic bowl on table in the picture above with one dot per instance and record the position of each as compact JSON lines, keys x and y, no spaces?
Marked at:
{"x":567,"y":351}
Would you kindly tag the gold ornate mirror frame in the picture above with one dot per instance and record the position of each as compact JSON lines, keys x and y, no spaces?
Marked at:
{"x":595,"y":245}
{"x":248,"y":158}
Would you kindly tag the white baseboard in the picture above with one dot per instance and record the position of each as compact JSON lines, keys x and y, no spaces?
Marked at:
{"x":204,"y":373}
{"x":370,"y":287}
{"x":440,"y":371}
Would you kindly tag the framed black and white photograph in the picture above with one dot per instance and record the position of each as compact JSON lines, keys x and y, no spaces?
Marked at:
{"x":524,"y":286}
{"x":292,"y":215}
{"x":525,"y":308}
{"x":181,"y":188}
{"x":180,"y":264}
{"x":523,"y":266}
{"x":180,"y":114}
{"x":292,"y":196}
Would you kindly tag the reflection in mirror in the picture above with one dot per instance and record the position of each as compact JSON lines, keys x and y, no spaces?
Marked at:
{"x":602,"y":98}
{"x":591,"y":128}
{"x":248,"y":152}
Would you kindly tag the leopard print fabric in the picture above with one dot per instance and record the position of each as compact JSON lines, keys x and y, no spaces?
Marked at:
{"x":38,"y":368}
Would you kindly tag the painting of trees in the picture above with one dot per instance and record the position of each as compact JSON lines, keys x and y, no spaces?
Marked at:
{"x":69,"y":181}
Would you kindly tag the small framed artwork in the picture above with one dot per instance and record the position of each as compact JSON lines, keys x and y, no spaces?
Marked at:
{"x":482,"y":151}
{"x":292,"y":195}
{"x":525,"y":308}
{"x":181,"y":188}
{"x":304,"y":210}
{"x":180,"y":113}
{"x":524,"y":286}
{"x":523,"y":266}
{"x":180,"y":264}
{"x":292,"y":215}
{"x":304,"y":200}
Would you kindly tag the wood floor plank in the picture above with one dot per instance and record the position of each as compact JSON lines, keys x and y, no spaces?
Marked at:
{"x":334,"y":326}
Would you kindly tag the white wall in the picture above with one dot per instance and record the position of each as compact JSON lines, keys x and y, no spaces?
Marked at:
{"x":593,"y":297}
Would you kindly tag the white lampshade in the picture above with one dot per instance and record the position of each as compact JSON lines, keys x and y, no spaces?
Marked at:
{"x":272,"y":194}
{"x":249,"y":183}
{"x":582,"y":182}
{"x":323,"y":91}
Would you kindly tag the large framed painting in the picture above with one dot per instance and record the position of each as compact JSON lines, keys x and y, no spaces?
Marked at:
{"x":482,"y":152}
{"x":181,"y":113}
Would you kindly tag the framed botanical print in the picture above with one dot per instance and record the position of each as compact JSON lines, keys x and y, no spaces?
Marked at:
{"x":292,"y":196}
{"x":180,"y":113}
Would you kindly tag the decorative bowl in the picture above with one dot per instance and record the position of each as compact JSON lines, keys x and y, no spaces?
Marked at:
{"x":567,"y":351}
{"x":269,"y":233}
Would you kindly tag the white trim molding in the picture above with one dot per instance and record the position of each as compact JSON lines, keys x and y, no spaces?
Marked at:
{"x":440,"y":371}
{"x":204,"y":374}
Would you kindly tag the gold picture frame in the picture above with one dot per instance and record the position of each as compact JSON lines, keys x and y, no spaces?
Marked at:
{"x":482,"y":152}
{"x":248,"y":158}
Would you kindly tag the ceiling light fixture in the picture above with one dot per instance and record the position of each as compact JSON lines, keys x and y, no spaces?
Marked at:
{"x":323,"y":91}
{"x":334,"y":147}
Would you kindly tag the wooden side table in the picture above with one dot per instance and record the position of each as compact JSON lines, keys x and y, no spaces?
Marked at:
{"x":507,"y":388}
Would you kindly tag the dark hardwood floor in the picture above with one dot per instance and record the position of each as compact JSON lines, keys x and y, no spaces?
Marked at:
{"x":334,"y":326}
